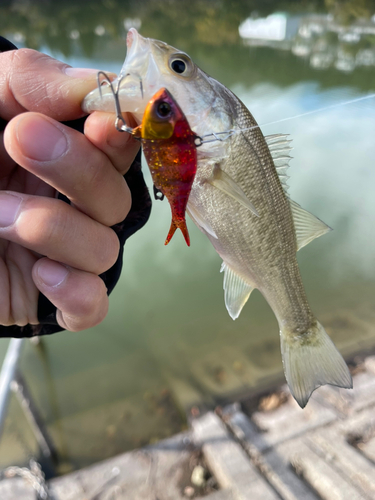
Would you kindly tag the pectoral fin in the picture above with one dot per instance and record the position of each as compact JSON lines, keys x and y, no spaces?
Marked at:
{"x":307,"y":226}
{"x":198,"y":220}
{"x":225,"y":183}
{"x":236,"y":291}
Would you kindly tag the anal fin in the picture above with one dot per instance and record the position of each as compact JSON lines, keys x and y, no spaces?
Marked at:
{"x":236,"y":291}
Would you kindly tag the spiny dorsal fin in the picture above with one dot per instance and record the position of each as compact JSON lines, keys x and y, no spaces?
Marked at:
{"x":307,"y":226}
{"x":279,"y":147}
{"x":236,"y":291}
{"x":221,"y":180}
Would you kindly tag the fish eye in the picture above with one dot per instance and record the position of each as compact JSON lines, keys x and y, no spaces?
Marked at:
{"x":163,"y":109}
{"x":181,"y":64}
{"x":178,"y":66}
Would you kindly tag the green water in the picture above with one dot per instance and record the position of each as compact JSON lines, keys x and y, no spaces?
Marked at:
{"x":168,"y":341}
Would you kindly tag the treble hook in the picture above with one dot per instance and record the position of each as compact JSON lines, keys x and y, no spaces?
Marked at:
{"x":119,"y":118}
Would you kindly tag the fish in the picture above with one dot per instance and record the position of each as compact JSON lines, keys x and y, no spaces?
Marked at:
{"x":239,"y":200}
{"x":171,"y":154}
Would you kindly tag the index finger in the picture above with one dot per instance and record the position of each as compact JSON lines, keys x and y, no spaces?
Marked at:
{"x":33,"y":81}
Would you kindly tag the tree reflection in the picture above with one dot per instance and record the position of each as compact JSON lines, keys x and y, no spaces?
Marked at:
{"x":206,"y":29}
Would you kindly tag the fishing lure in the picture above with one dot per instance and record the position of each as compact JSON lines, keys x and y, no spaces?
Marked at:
{"x":170,"y":149}
{"x":171,"y":154}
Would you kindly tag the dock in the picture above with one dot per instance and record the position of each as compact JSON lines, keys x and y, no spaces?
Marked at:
{"x":271,"y":452}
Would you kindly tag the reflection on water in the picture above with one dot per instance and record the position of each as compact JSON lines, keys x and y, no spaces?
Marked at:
{"x":168,"y":341}
{"x":323,"y":40}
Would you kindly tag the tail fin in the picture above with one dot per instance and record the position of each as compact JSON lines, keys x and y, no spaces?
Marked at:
{"x":311,"y":360}
{"x":181,"y":223}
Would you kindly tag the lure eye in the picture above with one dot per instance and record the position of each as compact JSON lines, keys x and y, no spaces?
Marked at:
{"x":163,"y":109}
{"x":178,"y":66}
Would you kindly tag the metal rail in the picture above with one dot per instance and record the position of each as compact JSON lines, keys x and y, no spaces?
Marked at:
{"x":7,"y":375}
{"x":12,"y":380}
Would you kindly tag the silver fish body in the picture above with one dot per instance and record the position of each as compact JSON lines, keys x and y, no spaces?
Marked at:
{"x":239,"y":201}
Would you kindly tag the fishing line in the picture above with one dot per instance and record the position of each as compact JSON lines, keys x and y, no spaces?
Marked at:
{"x":229,"y":133}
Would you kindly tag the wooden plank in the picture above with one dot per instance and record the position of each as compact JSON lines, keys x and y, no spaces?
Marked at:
{"x":368,"y":449}
{"x":218,"y":495}
{"x":320,"y":475}
{"x":139,"y":475}
{"x":359,"y":424}
{"x":273,"y":466}
{"x":289,"y":421}
{"x":333,"y":448}
{"x":228,"y":461}
{"x":364,"y":391}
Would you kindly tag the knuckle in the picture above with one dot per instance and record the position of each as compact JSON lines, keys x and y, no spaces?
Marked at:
{"x":23,"y":57}
{"x":123,"y":208}
{"x":108,"y":253}
{"x":118,"y":212}
{"x":92,"y":174}
{"x":45,"y":226}
{"x":30,"y":87}
{"x":101,"y":192}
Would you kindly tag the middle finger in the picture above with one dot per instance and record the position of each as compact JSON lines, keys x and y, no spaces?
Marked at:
{"x":68,"y":161}
{"x":57,"y":230}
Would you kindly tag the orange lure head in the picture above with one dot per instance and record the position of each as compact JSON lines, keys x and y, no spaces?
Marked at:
{"x":171,"y":153}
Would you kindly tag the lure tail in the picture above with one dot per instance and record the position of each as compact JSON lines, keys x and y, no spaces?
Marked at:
{"x":179,"y":223}
{"x":310,"y":360}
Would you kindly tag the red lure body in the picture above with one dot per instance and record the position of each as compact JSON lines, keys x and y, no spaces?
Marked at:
{"x":171,"y":153}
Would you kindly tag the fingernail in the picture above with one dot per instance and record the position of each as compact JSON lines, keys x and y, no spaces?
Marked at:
{"x":52,"y":273}
{"x":80,"y":72}
{"x":9,"y":208}
{"x":39,"y":139}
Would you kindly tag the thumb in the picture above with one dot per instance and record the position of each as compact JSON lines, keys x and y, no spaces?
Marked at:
{"x":33,"y":81}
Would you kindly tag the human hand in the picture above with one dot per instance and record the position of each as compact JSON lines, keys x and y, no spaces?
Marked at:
{"x":47,"y":245}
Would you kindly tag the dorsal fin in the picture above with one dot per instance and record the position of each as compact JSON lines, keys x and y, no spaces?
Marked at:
{"x":279,"y":147}
{"x":236,"y":291}
{"x":306,"y":225}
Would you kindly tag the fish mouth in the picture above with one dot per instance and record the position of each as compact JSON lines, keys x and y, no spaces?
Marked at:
{"x":136,"y":45}
{"x":138,"y":68}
